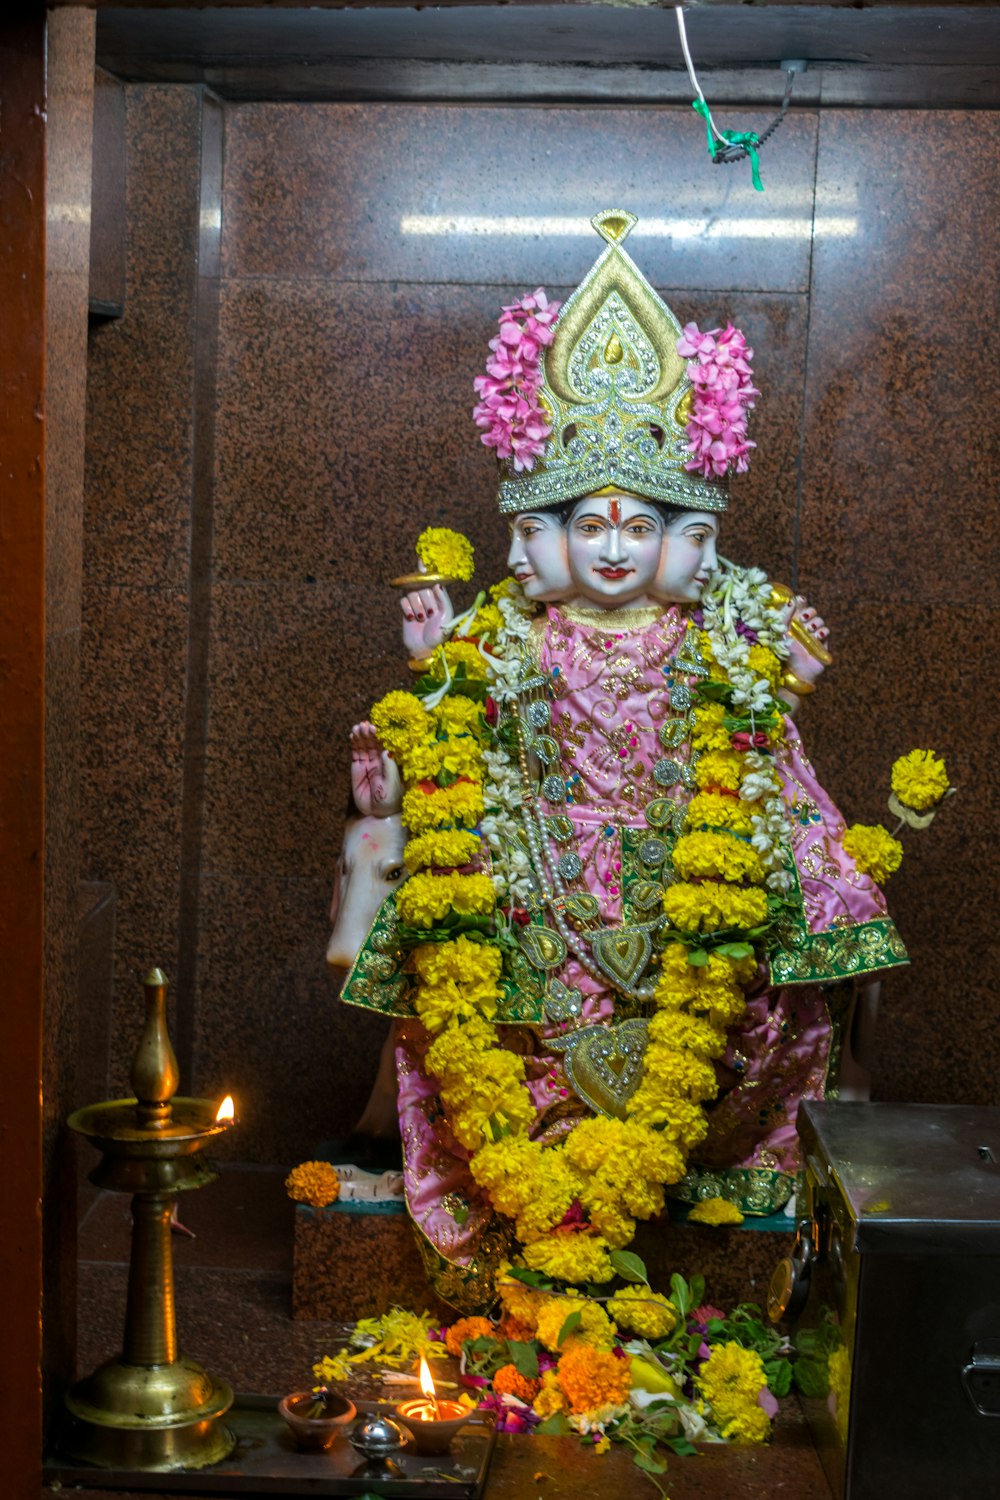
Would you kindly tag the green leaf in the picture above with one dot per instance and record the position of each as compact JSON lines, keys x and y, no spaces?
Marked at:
{"x":531,"y":1278}
{"x":524,"y":1358}
{"x":697,"y":1289}
{"x":628,"y":1266}
{"x":735,"y":950}
{"x":779,"y":1376}
{"x":571,"y":1324}
{"x":680,"y":1296}
{"x":554,"y":1426}
{"x":649,"y":1463}
{"x":698,"y":958}
{"x":682,"y":1446}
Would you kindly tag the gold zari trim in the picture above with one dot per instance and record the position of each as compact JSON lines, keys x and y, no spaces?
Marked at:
{"x":840,"y":953}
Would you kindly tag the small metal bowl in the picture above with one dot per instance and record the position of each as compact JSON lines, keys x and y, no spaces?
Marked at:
{"x":378,"y":1437}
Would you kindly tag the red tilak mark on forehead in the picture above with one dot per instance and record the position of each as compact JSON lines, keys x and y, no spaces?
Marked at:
{"x":614,"y":512}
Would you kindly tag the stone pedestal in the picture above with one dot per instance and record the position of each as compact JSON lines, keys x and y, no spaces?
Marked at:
{"x":352,"y":1264}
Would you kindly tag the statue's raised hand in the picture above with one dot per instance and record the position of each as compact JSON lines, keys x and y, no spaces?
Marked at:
{"x":375,"y":779}
{"x":427,"y":613}
{"x":809,"y":653}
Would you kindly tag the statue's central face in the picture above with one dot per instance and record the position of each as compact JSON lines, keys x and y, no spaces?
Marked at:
{"x":537,"y":556}
{"x":613,"y":546}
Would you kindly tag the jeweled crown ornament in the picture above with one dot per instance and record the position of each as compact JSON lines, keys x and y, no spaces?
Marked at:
{"x":609,"y":391}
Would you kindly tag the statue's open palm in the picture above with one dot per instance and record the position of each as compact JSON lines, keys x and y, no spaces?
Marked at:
{"x":375,"y":779}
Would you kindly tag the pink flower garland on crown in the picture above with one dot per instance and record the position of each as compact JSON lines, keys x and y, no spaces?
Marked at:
{"x":509,"y":410}
{"x":723,"y":394}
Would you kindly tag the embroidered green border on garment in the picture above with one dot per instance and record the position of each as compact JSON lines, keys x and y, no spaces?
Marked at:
{"x":839,"y":953}
{"x":759,"y":1191}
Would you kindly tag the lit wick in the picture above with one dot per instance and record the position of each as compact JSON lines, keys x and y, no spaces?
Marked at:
{"x":427,"y":1386}
{"x":226,"y":1110}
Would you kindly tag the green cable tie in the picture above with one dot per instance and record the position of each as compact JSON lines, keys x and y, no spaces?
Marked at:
{"x":748,"y":139}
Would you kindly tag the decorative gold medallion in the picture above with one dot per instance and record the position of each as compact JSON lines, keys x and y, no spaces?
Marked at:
{"x":582,"y":907}
{"x":560,"y":827}
{"x":622,"y":953}
{"x":542,"y":947}
{"x":660,"y":812}
{"x":645,"y":895}
{"x":604,"y":1063}
{"x":673,"y":733}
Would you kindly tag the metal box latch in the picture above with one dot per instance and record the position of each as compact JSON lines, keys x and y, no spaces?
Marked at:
{"x":981,"y":1377}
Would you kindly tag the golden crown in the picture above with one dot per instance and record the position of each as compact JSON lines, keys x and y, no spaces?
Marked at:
{"x":612,"y":396}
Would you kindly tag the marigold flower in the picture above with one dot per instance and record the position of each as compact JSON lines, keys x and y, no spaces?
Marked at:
{"x":550,"y":1399}
{"x":594,"y":1326}
{"x":591,"y":1378}
{"x":715,"y":1211}
{"x":313,"y":1182}
{"x":468,"y":1328}
{"x":639,"y":1310}
{"x":874,"y":850}
{"x":508,"y":1381}
{"x":400,"y":722}
{"x":571,"y":1257}
{"x":444,"y":551}
{"x":919,"y":780}
{"x":459,"y":806}
{"x":731,"y":1380}
{"x":443,"y":848}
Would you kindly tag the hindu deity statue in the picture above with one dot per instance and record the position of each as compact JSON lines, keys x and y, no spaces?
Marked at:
{"x":629,"y":931}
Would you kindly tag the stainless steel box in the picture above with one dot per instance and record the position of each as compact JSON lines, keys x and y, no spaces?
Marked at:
{"x":897,"y":1273}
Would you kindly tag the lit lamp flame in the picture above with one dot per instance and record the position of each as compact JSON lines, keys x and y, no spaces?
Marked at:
{"x":427,"y":1386}
{"x":226,"y":1110}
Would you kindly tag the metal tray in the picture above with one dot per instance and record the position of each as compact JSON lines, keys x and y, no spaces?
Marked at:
{"x":266,"y":1462}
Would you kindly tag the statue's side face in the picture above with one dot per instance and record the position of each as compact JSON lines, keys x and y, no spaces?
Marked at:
{"x":537,"y":556}
{"x":613,"y":547}
{"x":688,"y":557}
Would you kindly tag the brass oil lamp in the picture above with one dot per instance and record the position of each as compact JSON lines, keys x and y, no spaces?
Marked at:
{"x":151,"y":1408}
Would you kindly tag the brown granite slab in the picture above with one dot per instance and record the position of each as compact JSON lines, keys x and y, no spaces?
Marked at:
{"x":903,"y":384}
{"x":451,"y":193}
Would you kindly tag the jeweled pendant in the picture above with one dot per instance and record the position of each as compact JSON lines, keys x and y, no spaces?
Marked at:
{"x":645,"y":895}
{"x":546,"y":748}
{"x":652,"y":851}
{"x":680,"y":697}
{"x":543,"y":948}
{"x":562,"y":1003}
{"x":554,"y":789}
{"x":560,"y":827}
{"x":660,"y":812}
{"x":570,"y":865}
{"x":673,"y":733}
{"x":582,"y":907}
{"x":538,"y":714}
{"x":604,"y":1063}
{"x":622,"y":953}
{"x":667,"y":773}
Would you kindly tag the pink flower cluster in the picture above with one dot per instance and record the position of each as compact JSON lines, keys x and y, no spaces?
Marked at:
{"x":719,"y":370}
{"x":509,"y":410}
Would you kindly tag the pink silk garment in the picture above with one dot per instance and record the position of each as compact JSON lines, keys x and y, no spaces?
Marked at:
{"x":610,"y":675}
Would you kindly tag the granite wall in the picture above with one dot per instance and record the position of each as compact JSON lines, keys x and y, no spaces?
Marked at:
{"x":270,"y":429}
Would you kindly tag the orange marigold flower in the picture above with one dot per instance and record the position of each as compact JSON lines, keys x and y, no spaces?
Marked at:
{"x":591,"y":1378}
{"x":513,"y":1328}
{"x":468,"y":1328}
{"x":508,"y":1381}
